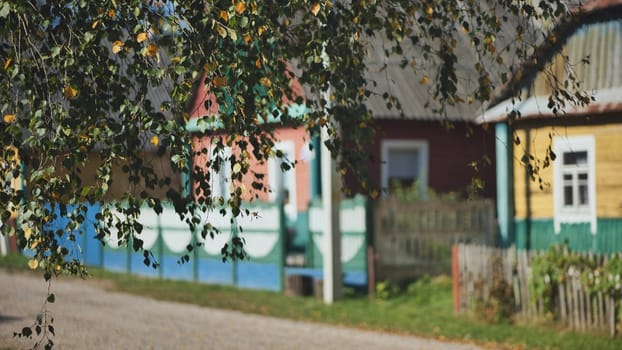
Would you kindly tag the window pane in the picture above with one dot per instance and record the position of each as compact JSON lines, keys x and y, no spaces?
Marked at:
{"x":403,"y":164}
{"x":583,"y":176}
{"x":583,"y":194}
{"x":568,"y":196}
{"x":567,"y":177}
{"x":575,"y":158}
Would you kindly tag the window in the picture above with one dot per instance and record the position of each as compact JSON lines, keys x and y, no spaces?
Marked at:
{"x":404,"y":162}
{"x":283,"y":183}
{"x":575,"y":184}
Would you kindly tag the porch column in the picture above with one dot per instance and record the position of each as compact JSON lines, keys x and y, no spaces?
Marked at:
{"x":331,"y":195}
{"x":505,"y":182}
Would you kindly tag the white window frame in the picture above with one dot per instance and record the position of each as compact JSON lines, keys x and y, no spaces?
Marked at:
{"x":287,"y":178}
{"x":564,"y":214}
{"x":421,"y":146}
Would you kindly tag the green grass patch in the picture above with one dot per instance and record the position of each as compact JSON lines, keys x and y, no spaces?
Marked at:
{"x":426,"y":309}
{"x":14,"y":263}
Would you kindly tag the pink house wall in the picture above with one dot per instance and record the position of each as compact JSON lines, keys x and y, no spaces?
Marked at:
{"x":298,"y":136}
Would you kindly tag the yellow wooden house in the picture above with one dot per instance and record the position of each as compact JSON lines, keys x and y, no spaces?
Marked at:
{"x":559,"y":164}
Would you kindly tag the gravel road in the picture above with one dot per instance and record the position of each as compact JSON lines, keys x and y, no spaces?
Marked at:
{"x":88,"y":317}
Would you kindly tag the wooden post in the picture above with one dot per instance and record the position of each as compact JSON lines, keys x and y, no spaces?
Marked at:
{"x":569,"y":302}
{"x":455,"y":269}
{"x":562,"y":300}
{"x":371,"y":269}
{"x":601,"y":311}
{"x":331,"y":193}
{"x":612,"y":315}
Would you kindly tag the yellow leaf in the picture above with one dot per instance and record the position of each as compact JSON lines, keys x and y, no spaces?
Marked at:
{"x":221,"y":31}
{"x":219,"y":82}
{"x":155,"y":140}
{"x":373,"y":194}
{"x":32,"y":263}
{"x":315,"y":8}
{"x":27,"y":232}
{"x":141,"y":37}
{"x":224,"y":15}
{"x":232,"y":34}
{"x":240,"y":7}
{"x":34,"y":244}
{"x":429,"y":10}
{"x":69,"y":92}
{"x":258,"y":63}
{"x":176,"y":60}
{"x":152,"y":50}
{"x":111,"y":13}
{"x":7,"y":63}
{"x":425,"y":80}
{"x":9,"y":118}
{"x":236,"y":168}
{"x":95,"y":23}
{"x":247,"y":38}
{"x":261,"y":30}
{"x":117,"y":46}
{"x":266,"y":82}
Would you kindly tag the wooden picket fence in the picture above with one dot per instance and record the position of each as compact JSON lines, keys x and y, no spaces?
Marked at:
{"x":482,"y":273}
{"x":412,"y":239}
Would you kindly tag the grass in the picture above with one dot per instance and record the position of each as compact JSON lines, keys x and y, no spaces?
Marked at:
{"x":426,"y":310}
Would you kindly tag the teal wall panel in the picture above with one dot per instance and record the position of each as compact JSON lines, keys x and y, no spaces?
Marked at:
{"x":608,"y":238}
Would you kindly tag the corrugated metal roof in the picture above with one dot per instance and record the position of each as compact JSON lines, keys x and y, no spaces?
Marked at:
{"x":416,"y":97}
{"x":597,"y":36}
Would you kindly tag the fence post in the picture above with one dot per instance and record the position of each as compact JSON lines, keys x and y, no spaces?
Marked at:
{"x":234,"y":262}
{"x":160,"y":243}
{"x":282,"y":246}
{"x":195,"y":257}
{"x":128,"y":256}
{"x":455,"y":269}
{"x":371,"y":271}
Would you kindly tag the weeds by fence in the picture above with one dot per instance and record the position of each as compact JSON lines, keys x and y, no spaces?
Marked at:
{"x":581,"y":291}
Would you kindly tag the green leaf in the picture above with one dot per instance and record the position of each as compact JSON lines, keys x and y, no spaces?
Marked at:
{"x":51,"y":298}
{"x":4,"y":10}
{"x":55,"y":51}
{"x":88,"y":36}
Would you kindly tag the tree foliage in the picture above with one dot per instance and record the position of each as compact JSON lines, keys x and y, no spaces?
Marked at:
{"x":108,"y":85}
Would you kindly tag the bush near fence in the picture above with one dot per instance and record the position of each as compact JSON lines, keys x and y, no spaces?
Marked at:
{"x":580,"y":290}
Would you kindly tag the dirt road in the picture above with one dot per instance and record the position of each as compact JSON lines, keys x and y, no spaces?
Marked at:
{"x":88,"y":317}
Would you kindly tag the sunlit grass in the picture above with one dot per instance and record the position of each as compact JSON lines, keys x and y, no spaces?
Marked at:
{"x":426,"y":310}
